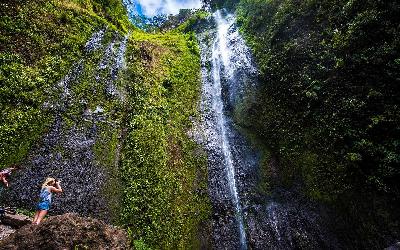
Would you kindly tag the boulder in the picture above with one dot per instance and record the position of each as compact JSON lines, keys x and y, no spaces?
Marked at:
{"x":16,"y":220}
{"x":5,"y":231}
{"x":68,"y":231}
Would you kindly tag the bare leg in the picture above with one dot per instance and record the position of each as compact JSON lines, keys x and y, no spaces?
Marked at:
{"x":42,"y":214}
{"x":36,"y":217}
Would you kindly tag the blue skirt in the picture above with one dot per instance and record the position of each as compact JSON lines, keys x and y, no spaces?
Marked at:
{"x":44,"y":205}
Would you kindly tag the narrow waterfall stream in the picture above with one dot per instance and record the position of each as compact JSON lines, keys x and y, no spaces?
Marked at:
{"x":226,"y":68}
{"x":220,"y":56}
{"x":243,"y":215}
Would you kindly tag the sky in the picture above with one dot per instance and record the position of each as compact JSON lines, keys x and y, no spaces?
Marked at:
{"x":151,"y":8}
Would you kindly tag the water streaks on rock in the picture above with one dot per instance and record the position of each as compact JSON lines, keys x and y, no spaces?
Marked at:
{"x":67,"y":150}
{"x":243,"y":215}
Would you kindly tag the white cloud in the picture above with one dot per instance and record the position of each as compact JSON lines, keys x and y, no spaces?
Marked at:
{"x":154,"y":7}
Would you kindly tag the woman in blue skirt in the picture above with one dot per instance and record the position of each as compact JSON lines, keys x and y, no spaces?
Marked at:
{"x":49,"y":187}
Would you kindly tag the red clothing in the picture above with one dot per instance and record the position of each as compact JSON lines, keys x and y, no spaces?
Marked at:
{"x":5,"y":173}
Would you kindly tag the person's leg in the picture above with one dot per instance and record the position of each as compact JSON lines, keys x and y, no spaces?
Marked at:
{"x":36,"y":217}
{"x":2,"y":182}
{"x":42,"y":214}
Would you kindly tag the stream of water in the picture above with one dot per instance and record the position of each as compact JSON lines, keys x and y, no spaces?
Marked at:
{"x":226,"y":67}
{"x":220,"y":56}
{"x":243,"y":215}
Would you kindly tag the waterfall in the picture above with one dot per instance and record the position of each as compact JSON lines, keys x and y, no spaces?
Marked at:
{"x":220,"y":55}
{"x":227,"y":71}
{"x":244,"y":216}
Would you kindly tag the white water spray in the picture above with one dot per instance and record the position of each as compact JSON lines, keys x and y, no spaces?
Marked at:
{"x":221,"y":56}
{"x":227,"y":71}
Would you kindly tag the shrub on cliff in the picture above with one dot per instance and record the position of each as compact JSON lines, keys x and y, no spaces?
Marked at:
{"x":329,"y":97}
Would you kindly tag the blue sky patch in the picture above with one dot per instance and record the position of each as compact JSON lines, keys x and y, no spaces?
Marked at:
{"x":150,"y":8}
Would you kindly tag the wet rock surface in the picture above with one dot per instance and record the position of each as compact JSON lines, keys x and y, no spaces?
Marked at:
{"x":395,"y":246}
{"x":68,"y":231}
{"x":222,"y":88}
{"x":280,"y":220}
{"x":287,"y":220}
{"x":66,"y":154}
{"x":66,"y":151}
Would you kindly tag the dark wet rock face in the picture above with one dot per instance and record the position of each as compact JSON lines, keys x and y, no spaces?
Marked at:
{"x":67,"y":154}
{"x":290,"y":222}
{"x":395,"y":246}
{"x":66,"y":151}
{"x":243,"y":216}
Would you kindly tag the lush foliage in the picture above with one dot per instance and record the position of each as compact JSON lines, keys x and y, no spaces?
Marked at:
{"x":328,"y":102}
{"x":39,"y":41}
{"x":163,"y":171}
{"x":221,"y":4}
{"x":157,"y":178}
{"x":162,"y":22}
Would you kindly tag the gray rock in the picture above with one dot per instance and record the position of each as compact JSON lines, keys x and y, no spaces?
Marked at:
{"x":395,"y":246}
{"x":16,"y":220}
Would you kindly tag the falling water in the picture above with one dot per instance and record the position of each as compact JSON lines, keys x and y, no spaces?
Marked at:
{"x":220,"y":54}
{"x":243,"y":215}
{"x":226,"y":70}
{"x":94,"y":42}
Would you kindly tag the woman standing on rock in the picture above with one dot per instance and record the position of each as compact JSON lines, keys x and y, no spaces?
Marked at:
{"x":49,"y":186}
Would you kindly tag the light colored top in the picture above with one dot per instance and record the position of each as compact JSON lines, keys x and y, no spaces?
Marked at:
{"x":45,"y":195}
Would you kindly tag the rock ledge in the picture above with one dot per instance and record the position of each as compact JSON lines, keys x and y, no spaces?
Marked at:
{"x":68,"y":231}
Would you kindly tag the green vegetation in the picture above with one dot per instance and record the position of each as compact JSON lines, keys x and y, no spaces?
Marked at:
{"x":184,"y":20}
{"x":222,"y":4}
{"x":190,"y":23}
{"x":39,"y":42}
{"x":25,"y":212}
{"x":328,"y":103}
{"x":156,"y":184}
{"x":164,"y":173}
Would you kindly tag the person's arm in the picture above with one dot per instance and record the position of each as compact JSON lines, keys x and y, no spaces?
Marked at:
{"x":5,"y":181}
{"x":57,"y":188}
